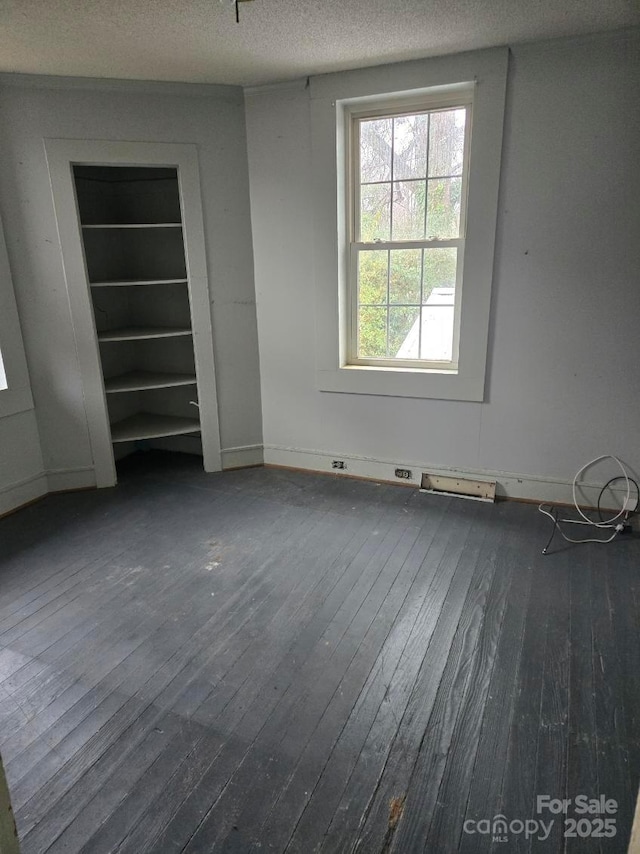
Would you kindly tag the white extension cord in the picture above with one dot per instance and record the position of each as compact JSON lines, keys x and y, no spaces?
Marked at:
{"x":616,"y":524}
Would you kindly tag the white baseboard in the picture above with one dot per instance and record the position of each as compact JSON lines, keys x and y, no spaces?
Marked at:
{"x":242,"y":456}
{"x":60,"y":480}
{"x":15,"y":495}
{"x":508,"y":484}
{"x":21,"y":492}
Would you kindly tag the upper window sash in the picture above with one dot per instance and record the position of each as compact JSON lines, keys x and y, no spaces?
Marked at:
{"x":399,"y":108}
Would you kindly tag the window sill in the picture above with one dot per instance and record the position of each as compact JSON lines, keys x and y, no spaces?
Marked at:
{"x":402,"y":382}
{"x":402,"y":369}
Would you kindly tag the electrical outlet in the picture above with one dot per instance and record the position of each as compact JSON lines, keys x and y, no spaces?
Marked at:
{"x":339,"y":464}
{"x":404,"y":474}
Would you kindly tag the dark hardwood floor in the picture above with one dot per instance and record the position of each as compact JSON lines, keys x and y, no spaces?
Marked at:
{"x":274,"y":661}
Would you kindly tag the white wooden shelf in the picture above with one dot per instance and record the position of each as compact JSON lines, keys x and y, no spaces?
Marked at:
{"x":146,"y":425}
{"x":143,"y":333}
{"x":134,"y":225}
{"x":130,"y":283}
{"x":144,"y":380}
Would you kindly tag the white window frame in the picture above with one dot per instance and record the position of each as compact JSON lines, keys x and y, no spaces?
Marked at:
{"x":334,"y":98}
{"x":394,"y":108}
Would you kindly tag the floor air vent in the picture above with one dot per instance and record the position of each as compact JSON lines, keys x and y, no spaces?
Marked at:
{"x":461,"y":487}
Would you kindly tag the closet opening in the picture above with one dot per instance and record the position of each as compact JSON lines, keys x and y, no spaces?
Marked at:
{"x":132,"y":231}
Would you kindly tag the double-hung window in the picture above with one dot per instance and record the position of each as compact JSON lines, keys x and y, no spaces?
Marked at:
{"x":406,"y":173}
{"x":407,"y":186}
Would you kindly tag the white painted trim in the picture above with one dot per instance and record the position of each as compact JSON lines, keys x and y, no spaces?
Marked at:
{"x":21,"y":492}
{"x":403,"y":382}
{"x":508,"y":484}
{"x":15,"y":495}
{"x":61,"y":154}
{"x":201,"y":322}
{"x":242,"y":456}
{"x":329,"y":97}
{"x":61,"y":480}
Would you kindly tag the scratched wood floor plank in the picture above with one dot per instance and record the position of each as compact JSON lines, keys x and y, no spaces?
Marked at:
{"x":373,"y":724}
{"x":550,"y":774}
{"x":623,"y":586}
{"x":517,"y":795}
{"x":582,"y":771}
{"x":446,"y":822}
{"x":193,"y":570}
{"x":363,"y":643}
{"x":311,"y":737}
{"x":375,"y":828}
{"x":189,"y":690}
{"x":485,"y":793}
{"x":615,"y":739}
{"x":474,"y":579}
{"x":49,"y":537}
{"x":310,"y":779}
{"x":295,"y":714}
{"x":146,"y":541}
{"x":198,"y":627}
{"x":239,"y":712}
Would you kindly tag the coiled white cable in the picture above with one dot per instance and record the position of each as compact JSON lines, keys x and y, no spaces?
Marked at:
{"x":611,"y":524}
{"x":623,"y":510}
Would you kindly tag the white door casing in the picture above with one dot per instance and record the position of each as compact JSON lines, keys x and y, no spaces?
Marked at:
{"x":62,"y":155}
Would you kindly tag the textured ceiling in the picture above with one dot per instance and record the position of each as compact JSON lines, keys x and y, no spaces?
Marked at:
{"x":199,"y":40}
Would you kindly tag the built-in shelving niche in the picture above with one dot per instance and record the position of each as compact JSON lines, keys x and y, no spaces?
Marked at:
{"x":133,"y":244}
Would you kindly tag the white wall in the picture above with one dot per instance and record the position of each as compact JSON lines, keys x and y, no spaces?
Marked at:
{"x":210,"y":117}
{"x":21,"y":470}
{"x":563,"y":384}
